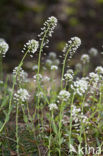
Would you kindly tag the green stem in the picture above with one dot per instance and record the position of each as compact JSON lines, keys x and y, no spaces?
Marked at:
{"x":17,"y":135}
{"x":64,"y":63}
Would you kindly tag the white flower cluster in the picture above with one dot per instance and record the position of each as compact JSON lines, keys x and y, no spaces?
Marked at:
{"x":93,"y":52}
{"x":78,"y":67}
{"x":37,"y":77}
{"x":46,"y":78}
{"x":3,"y":47}
{"x":85,"y":58}
{"x":48,"y":29}
{"x":94,"y":77}
{"x":52,"y":55}
{"x":53,"y":106}
{"x":80,"y":86}
{"x":52,"y":60}
{"x":35,"y":67}
{"x":72,"y":46}
{"x":69,"y":75}
{"x":78,"y":117}
{"x":94,"y":80}
{"x":40,"y":95}
{"x":64,"y":95}
{"x":31,"y":47}
{"x":99,"y":70}
{"x":20,"y":74}
{"x":21,"y":95}
{"x":54,"y":67}
{"x":41,"y":78}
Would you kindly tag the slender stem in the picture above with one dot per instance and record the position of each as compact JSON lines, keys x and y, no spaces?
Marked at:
{"x":70,"y":133}
{"x":17,"y":135}
{"x":41,"y":48}
{"x":64,"y":63}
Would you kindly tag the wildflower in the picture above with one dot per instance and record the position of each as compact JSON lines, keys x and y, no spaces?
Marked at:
{"x":94,"y":76}
{"x":64,"y":95}
{"x":20,"y":74}
{"x":78,"y":67}
{"x":35,"y":67}
{"x":69,"y":75}
{"x":85,"y":58}
{"x":46,"y":78}
{"x":49,"y":63}
{"x":37,"y":77}
{"x":72,"y":46}
{"x":80,"y":86}
{"x":31,"y":47}
{"x":77,"y":117}
{"x":99,"y":70}
{"x":53,"y":67}
{"x":52,"y":55}
{"x":56,"y":62}
{"x":40,"y":94}
{"x":1,"y":82}
{"x":53,"y":106}
{"x":3,"y":47}
{"x":21,"y":95}
{"x":48,"y":29}
{"x":93,"y":52}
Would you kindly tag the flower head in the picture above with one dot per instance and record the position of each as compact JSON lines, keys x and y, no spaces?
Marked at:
{"x":52,"y":55}
{"x":21,"y":95}
{"x":93,"y":52}
{"x":53,"y":67}
{"x":48,"y":29}
{"x":94,"y":77}
{"x":78,"y":67}
{"x":69,"y":75}
{"x":20,"y":74}
{"x":53,"y":106}
{"x":80,"y":86}
{"x":72,"y":46}
{"x":99,"y":70}
{"x":3,"y":47}
{"x":31,"y":46}
{"x":64,"y":95}
{"x":85,"y":58}
{"x":37,"y":77}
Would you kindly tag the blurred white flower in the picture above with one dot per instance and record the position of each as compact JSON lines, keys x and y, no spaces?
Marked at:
{"x":21,"y":95}
{"x":64,"y":95}
{"x":40,"y":94}
{"x":35,"y":67}
{"x":78,"y":67}
{"x":20,"y":74}
{"x":80,"y":86}
{"x":3,"y":47}
{"x":52,"y":55}
{"x":99,"y":70}
{"x":94,"y":76}
{"x":85,"y":58}
{"x":69,"y":75}
{"x":53,"y":106}
{"x":48,"y":63}
{"x":37,"y":77}
{"x":93,"y":52}
{"x":53,"y":67}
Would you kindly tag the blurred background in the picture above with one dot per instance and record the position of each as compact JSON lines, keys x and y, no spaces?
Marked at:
{"x":21,"y":20}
